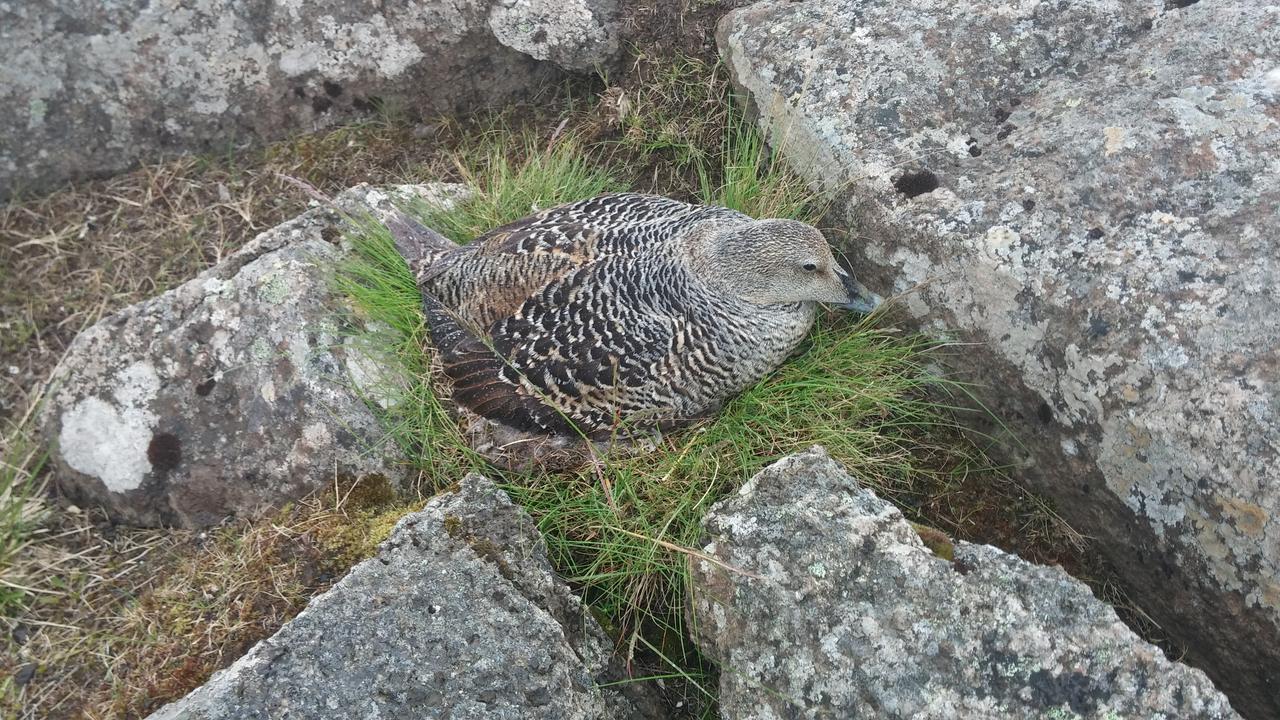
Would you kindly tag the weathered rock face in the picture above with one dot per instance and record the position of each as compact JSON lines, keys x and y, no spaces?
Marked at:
{"x":577,"y":34}
{"x":92,"y":88}
{"x":232,"y":393}
{"x":850,"y":615}
{"x":459,"y":615}
{"x":1087,"y":191}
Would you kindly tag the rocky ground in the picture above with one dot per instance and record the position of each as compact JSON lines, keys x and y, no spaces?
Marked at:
{"x":104,"y":620}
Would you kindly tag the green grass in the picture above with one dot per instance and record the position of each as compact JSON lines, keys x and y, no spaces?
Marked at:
{"x":20,"y":511}
{"x":621,"y":528}
{"x":746,"y":177}
{"x":387,"y":301}
{"x":519,"y":174}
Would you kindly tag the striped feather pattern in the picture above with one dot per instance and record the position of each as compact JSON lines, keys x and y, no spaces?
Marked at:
{"x":591,"y":315}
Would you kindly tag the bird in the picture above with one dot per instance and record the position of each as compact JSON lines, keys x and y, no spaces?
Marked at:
{"x":623,"y":312}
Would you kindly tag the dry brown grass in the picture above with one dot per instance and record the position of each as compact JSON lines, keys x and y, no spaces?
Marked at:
{"x":70,"y":257}
{"x":137,"y":618}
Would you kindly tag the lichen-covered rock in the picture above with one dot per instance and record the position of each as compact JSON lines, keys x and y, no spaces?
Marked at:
{"x":834,"y":608}
{"x":576,"y":34}
{"x":92,"y":88}
{"x":228,"y":395}
{"x":460,"y":615}
{"x":1087,"y":192}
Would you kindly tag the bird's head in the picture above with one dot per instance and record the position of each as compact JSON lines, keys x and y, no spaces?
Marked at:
{"x":784,"y":261}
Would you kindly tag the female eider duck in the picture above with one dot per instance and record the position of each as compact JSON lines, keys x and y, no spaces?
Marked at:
{"x":621,"y":311}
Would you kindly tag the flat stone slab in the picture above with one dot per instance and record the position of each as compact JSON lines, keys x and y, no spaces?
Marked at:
{"x":1086,"y":195}
{"x":834,"y":608}
{"x":459,"y":616}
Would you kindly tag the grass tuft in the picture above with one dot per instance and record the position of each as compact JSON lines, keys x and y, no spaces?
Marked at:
{"x":385,"y":298}
{"x":21,"y":511}
{"x":754,"y":180}
{"x":517,"y":174}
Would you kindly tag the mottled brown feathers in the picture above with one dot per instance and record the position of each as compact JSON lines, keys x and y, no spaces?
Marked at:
{"x":610,"y":312}
{"x":476,"y":374}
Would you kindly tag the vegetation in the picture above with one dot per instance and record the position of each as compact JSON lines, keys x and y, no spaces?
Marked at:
{"x":622,"y":527}
{"x":103,"y":621}
{"x":21,"y":509}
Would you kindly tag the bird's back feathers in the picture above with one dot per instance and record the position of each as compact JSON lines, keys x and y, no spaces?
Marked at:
{"x":588,"y":315}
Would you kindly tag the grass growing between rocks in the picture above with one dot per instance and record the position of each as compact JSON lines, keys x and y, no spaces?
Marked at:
{"x":118,"y":621}
{"x":621,"y":529}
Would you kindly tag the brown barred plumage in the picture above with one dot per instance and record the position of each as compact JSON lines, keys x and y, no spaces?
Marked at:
{"x":621,"y":311}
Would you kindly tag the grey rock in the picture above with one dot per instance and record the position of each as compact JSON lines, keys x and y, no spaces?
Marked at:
{"x":458,"y":616}
{"x":1087,"y":194}
{"x":574,"y":34}
{"x":834,"y":608}
{"x":232,"y":393}
{"x":93,"y":88}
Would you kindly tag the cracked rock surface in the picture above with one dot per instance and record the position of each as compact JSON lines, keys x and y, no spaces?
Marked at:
{"x":840,"y":611}
{"x":1086,"y":193}
{"x":230,"y":394}
{"x":458,"y":616}
{"x":92,"y":88}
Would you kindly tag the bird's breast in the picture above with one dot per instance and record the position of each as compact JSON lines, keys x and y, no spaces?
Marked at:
{"x":731,"y":346}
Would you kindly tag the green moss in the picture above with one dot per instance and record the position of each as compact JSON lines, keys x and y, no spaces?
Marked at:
{"x":937,"y":541}
{"x":452,"y":526}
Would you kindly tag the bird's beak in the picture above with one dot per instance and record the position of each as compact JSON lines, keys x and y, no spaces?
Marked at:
{"x":861,"y":299}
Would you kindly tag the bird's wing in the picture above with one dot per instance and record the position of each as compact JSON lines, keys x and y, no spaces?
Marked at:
{"x":581,"y":350}
{"x":490,"y":278}
{"x":477,"y":376}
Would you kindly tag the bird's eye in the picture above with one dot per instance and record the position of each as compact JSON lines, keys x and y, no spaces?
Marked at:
{"x":810,"y":267}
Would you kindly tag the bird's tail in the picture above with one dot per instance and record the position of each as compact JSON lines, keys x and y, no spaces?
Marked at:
{"x":421,"y":247}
